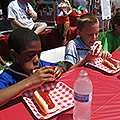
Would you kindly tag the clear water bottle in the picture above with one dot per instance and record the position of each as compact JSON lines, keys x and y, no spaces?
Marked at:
{"x":82,"y":97}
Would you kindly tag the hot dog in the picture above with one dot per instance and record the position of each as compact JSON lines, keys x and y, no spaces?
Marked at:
{"x":52,"y":67}
{"x":112,"y":63}
{"x":96,"y":49}
{"x":45,"y":102}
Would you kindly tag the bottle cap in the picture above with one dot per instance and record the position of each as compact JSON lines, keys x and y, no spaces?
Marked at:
{"x":83,"y":73}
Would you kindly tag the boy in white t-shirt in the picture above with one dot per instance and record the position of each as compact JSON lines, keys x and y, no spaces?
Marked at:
{"x":21,"y":14}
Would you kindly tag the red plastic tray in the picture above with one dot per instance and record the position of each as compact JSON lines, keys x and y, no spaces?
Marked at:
{"x":60,"y":92}
{"x":98,"y":63}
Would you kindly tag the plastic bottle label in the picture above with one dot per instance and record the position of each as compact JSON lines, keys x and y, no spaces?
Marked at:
{"x":82,"y":98}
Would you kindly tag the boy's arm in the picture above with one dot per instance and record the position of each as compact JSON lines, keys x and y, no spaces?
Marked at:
{"x":8,"y":93}
{"x":29,"y":12}
{"x":69,"y":65}
{"x":16,"y":22}
{"x":42,"y":75}
{"x":89,"y":56}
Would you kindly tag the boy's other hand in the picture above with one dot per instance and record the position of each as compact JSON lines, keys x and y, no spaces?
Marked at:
{"x":103,"y":54}
{"x":92,"y":55}
{"x":58,"y":72}
{"x":106,"y":54}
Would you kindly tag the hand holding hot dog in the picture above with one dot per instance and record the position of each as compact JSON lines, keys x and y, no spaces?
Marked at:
{"x":41,"y":75}
{"x":45,"y":74}
{"x":58,"y":72}
{"x":96,"y":52}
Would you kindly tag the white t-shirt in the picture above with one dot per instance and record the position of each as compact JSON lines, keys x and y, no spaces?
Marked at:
{"x":18,"y":11}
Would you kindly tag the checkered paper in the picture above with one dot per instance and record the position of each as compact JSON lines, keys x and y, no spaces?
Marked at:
{"x":98,"y":63}
{"x":60,"y":92}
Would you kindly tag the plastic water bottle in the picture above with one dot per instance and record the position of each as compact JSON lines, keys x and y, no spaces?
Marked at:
{"x":82,"y":97}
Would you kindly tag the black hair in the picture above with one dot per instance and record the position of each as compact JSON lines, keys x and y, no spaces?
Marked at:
{"x":20,"y":37}
{"x":116,"y":19}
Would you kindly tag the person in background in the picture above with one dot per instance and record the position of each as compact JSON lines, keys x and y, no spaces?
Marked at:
{"x":39,"y":9}
{"x":62,"y":9}
{"x":111,"y":40}
{"x":78,"y":51}
{"x":82,"y":3}
{"x":21,"y":14}
{"x":25,"y":50}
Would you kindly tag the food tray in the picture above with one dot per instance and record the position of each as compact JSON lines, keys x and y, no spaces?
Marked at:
{"x":60,"y":92}
{"x":98,"y":63}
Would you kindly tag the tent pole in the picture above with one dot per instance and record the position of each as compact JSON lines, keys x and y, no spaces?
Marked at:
{"x":103,"y":27}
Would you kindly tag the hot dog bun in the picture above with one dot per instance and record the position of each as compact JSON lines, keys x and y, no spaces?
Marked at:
{"x":96,"y":49}
{"x":34,"y":70}
{"x":112,"y":63}
{"x":42,"y":67}
{"x":45,"y":102}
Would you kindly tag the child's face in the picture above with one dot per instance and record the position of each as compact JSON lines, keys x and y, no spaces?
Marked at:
{"x":29,"y":59}
{"x":89,"y":33}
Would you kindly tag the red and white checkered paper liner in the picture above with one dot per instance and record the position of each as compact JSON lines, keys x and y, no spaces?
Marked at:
{"x":98,"y":63}
{"x":60,"y":92}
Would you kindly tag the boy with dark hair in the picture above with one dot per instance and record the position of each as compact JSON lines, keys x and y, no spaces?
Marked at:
{"x":25,"y":50}
{"x":111,"y":40}
{"x":78,"y":51}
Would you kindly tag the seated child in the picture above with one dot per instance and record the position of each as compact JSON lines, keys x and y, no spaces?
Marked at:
{"x":78,"y":51}
{"x":25,"y":50}
{"x":111,"y":40}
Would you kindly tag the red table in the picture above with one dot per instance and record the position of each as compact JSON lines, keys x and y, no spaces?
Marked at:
{"x":105,"y":103}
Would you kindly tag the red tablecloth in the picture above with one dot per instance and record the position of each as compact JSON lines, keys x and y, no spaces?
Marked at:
{"x":105,"y":103}
{"x":49,"y":40}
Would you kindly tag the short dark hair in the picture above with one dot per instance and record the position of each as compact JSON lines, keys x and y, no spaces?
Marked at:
{"x":116,"y":19}
{"x":20,"y":37}
{"x":86,"y":18}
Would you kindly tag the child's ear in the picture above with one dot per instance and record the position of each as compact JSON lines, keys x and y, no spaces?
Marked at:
{"x":116,"y":26}
{"x":13,"y":54}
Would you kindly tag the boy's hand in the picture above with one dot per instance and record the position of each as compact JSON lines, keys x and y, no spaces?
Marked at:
{"x":106,"y":54}
{"x":92,"y":55}
{"x":44,"y":74}
{"x":103,"y":54}
{"x":58,"y":72}
{"x":29,"y":12}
